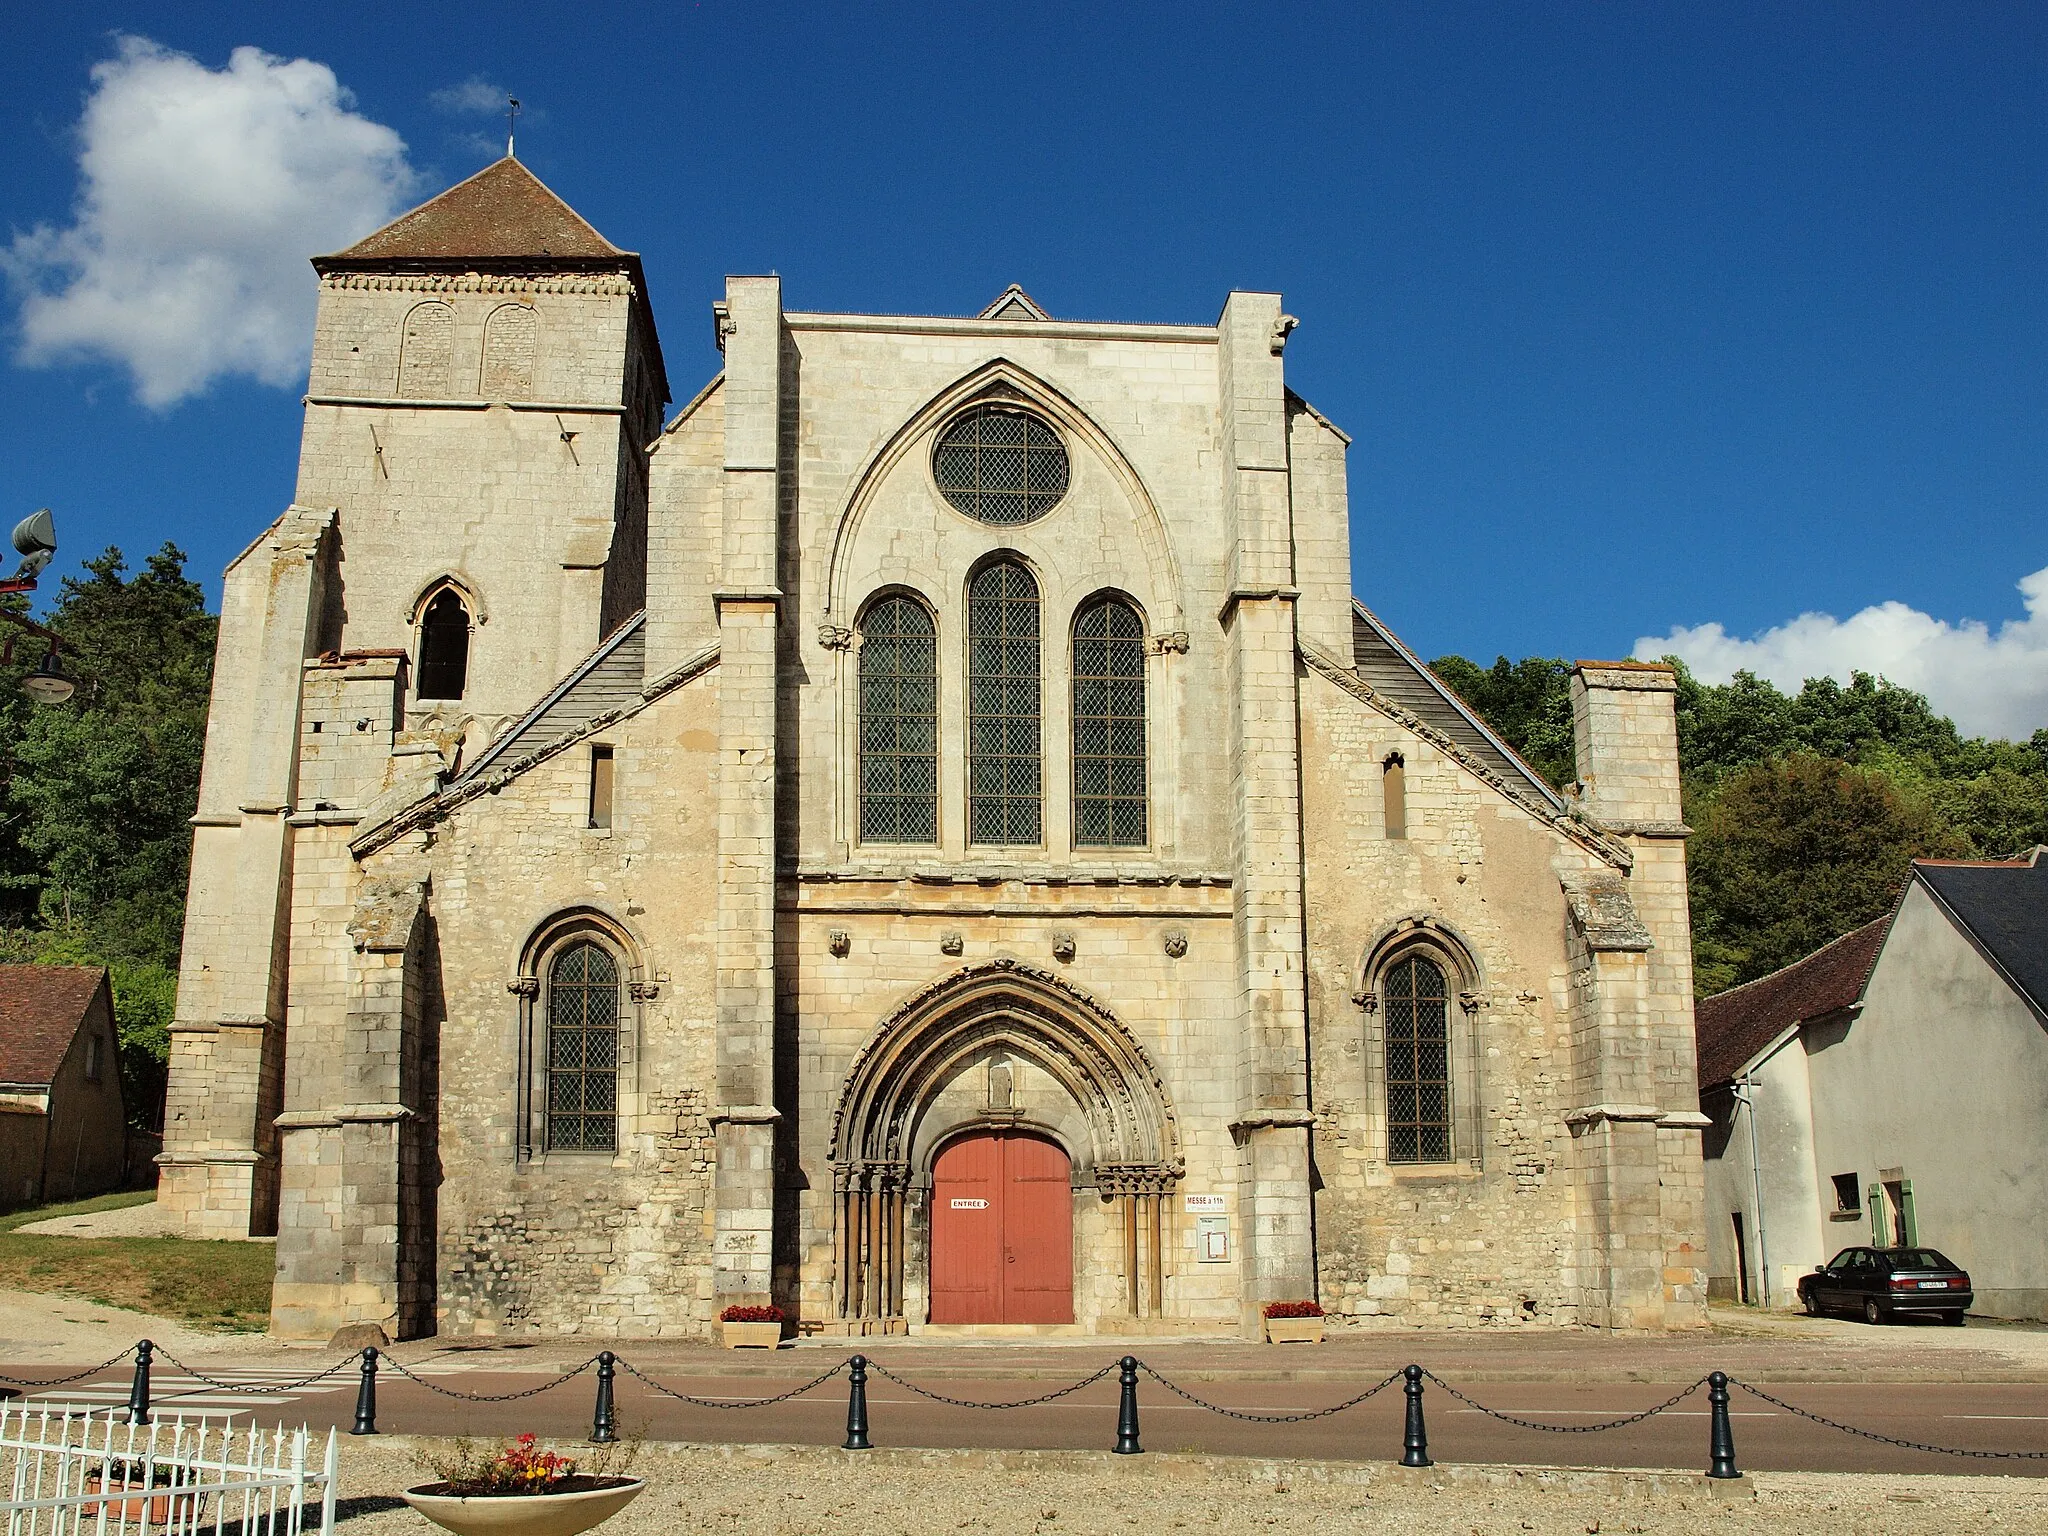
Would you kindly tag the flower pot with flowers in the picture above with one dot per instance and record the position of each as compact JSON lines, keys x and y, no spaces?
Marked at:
{"x":143,"y":1475}
{"x":1294,"y":1322}
{"x":751,"y":1327}
{"x":523,"y":1489}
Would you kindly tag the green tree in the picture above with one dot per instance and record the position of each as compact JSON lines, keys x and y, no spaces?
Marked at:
{"x":1528,"y":703}
{"x":95,"y":847}
{"x":1790,"y":854}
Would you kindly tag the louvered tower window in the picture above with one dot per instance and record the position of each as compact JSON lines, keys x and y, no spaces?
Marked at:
{"x":1003,"y":759}
{"x":899,"y":724}
{"x":1109,"y":726}
{"x":583,"y":1051}
{"x":1418,"y":1063}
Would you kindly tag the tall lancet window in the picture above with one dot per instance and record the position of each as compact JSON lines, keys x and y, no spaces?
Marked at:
{"x":1004,"y":765}
{"x":583,"y":1051}
{"x":899,"y":724}
{"x":1418,"y":1063}
{"x":1109,"y":726}
{"x":444,"y":647}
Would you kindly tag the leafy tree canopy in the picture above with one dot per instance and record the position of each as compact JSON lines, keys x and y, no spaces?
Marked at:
{"x":1806,"y":807}
{"x":95,"y":846}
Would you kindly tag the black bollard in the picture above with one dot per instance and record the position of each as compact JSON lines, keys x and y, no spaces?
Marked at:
{"x":604,"y":1421}
{"x":1721,"y":1437}
{"x":857,"y":1406}
{"x":1415,"y":1438}
{"x":138,"y":1389}
{"x":1127,"y":1408}
{"x":366,"y":1396}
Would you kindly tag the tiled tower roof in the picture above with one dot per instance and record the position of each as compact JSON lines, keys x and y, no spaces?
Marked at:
{"x":502,"y":213}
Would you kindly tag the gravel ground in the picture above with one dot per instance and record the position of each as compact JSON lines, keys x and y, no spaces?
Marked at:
{"x":782,"y":1491}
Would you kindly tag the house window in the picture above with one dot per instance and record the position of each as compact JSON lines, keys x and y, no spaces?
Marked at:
{"x":93,"y":1047}
{"x":1846,"y":1194}
{"x":444,"y":647}
{"x":1418,"y":1053}
{"x":899,"y":724}
{"x":600,"y":786}
{"x":1394,"y":791}
{"x":583,"y":1050}
{"x":1000,"y":465}
{"x":1109,"y":726}
{"x":1003,"y":758}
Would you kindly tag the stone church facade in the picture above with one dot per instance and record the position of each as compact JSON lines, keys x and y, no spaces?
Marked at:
{"x":925,"y":837}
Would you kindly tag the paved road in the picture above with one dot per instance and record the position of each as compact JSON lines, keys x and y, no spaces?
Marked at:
{"x":1983,"y":1416}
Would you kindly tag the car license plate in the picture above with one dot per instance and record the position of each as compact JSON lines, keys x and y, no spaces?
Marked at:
{"x":1933,"y":1285}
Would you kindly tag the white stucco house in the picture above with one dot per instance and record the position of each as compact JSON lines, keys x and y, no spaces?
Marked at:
{"x":1892,"y":1087}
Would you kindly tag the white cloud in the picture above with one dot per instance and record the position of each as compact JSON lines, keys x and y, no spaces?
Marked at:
{"x":202,"y":192}
{"x":474,"y":96}
{"x":1991,"y":683}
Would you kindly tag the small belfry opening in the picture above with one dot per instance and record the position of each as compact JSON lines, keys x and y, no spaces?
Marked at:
{"x":444,"y":647}
{"x":1394,"y":791}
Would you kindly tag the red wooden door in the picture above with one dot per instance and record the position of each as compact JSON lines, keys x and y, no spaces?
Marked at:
{"x":1002,"y":1232}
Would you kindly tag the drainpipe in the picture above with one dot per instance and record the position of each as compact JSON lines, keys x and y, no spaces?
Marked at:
{"x":1744,"y":1094}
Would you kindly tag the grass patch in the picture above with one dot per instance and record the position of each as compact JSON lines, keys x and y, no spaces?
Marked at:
{"x":208,"y":1284}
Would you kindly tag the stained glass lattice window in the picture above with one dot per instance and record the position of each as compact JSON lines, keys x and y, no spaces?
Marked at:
{"x":899,"y":724}
{"x":583,"y":1051}
{"x":1000,"y":465}
{"x":1109,"y":726}
{"x":1417,"y":1008}
{"x":1004,"y":767}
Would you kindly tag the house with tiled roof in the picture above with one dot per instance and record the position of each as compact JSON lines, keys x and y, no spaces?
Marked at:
{"x":63,"y":1127}
{"x":1892,"y":1087}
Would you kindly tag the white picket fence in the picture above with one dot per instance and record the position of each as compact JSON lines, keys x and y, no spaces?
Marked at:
{"x":69,"y":1473}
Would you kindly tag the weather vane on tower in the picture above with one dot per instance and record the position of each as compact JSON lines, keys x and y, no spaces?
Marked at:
{"x":511,"y":122}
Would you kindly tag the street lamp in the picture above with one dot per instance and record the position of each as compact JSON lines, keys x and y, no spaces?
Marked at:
{"x":35,"y":540}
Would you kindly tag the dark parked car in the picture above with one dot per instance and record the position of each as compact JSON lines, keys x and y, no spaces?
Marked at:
{"x":1882,"y":1283}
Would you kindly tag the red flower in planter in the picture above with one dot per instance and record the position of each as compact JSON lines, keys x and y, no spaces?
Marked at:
{"x":751,"y":1315}
{"x":1293,"y":1309}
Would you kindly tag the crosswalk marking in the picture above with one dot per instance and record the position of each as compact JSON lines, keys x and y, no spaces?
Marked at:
{"x":176,"y":1390}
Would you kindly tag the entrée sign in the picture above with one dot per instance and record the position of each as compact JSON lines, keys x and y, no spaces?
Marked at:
{"x":970,"y":1205}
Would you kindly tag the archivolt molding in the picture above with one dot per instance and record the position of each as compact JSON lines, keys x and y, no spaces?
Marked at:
{"x":1002,"y":379}
{"x":462,"y":586}
{"x":1422,"y":930}
{"x":1030,"y":1013}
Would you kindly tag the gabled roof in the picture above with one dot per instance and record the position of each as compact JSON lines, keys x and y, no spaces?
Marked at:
{"x":1378,"y":656}
{"x":41,"y":1007}
{"x":502,"y":213}
{"x":1013,"y":303}
{"x":1731,"y":1027}
{"x":2003,"y":905}
{"x":605,"y":681}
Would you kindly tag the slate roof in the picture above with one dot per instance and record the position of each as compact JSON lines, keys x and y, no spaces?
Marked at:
{"x":502,"y":213}
{"x":609,"y":678}
{"x":41,"y":1007}
{"x":2004,"y":907}
{"x":1732,"y":1026}
{"x":1378,"y":656}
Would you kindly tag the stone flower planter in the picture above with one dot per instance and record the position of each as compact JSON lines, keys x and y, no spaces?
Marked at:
{"x":523,"y":1514}
{"x":751,"y":1335}
{"x":1294,"y":1330}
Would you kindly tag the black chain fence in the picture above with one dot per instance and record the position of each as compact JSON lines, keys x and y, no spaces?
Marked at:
{"x":1415,"y":1444}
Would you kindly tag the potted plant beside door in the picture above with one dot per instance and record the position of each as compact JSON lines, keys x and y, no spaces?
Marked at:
{"x":751,"y":1327}
{"x":1294,"y":1322}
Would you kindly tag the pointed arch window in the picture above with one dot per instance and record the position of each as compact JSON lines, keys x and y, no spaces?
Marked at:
{"x":1004,"y":762}
{"x":899,"y":724}
{"x":583,"y":1050}
{"x":1109,"y":726}
{"x":1418,"y":1053}
{"x":426,"y":352}
{"x":444,"y":647}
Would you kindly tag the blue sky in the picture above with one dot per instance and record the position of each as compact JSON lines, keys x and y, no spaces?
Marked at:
{"x":1650,"y":321}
